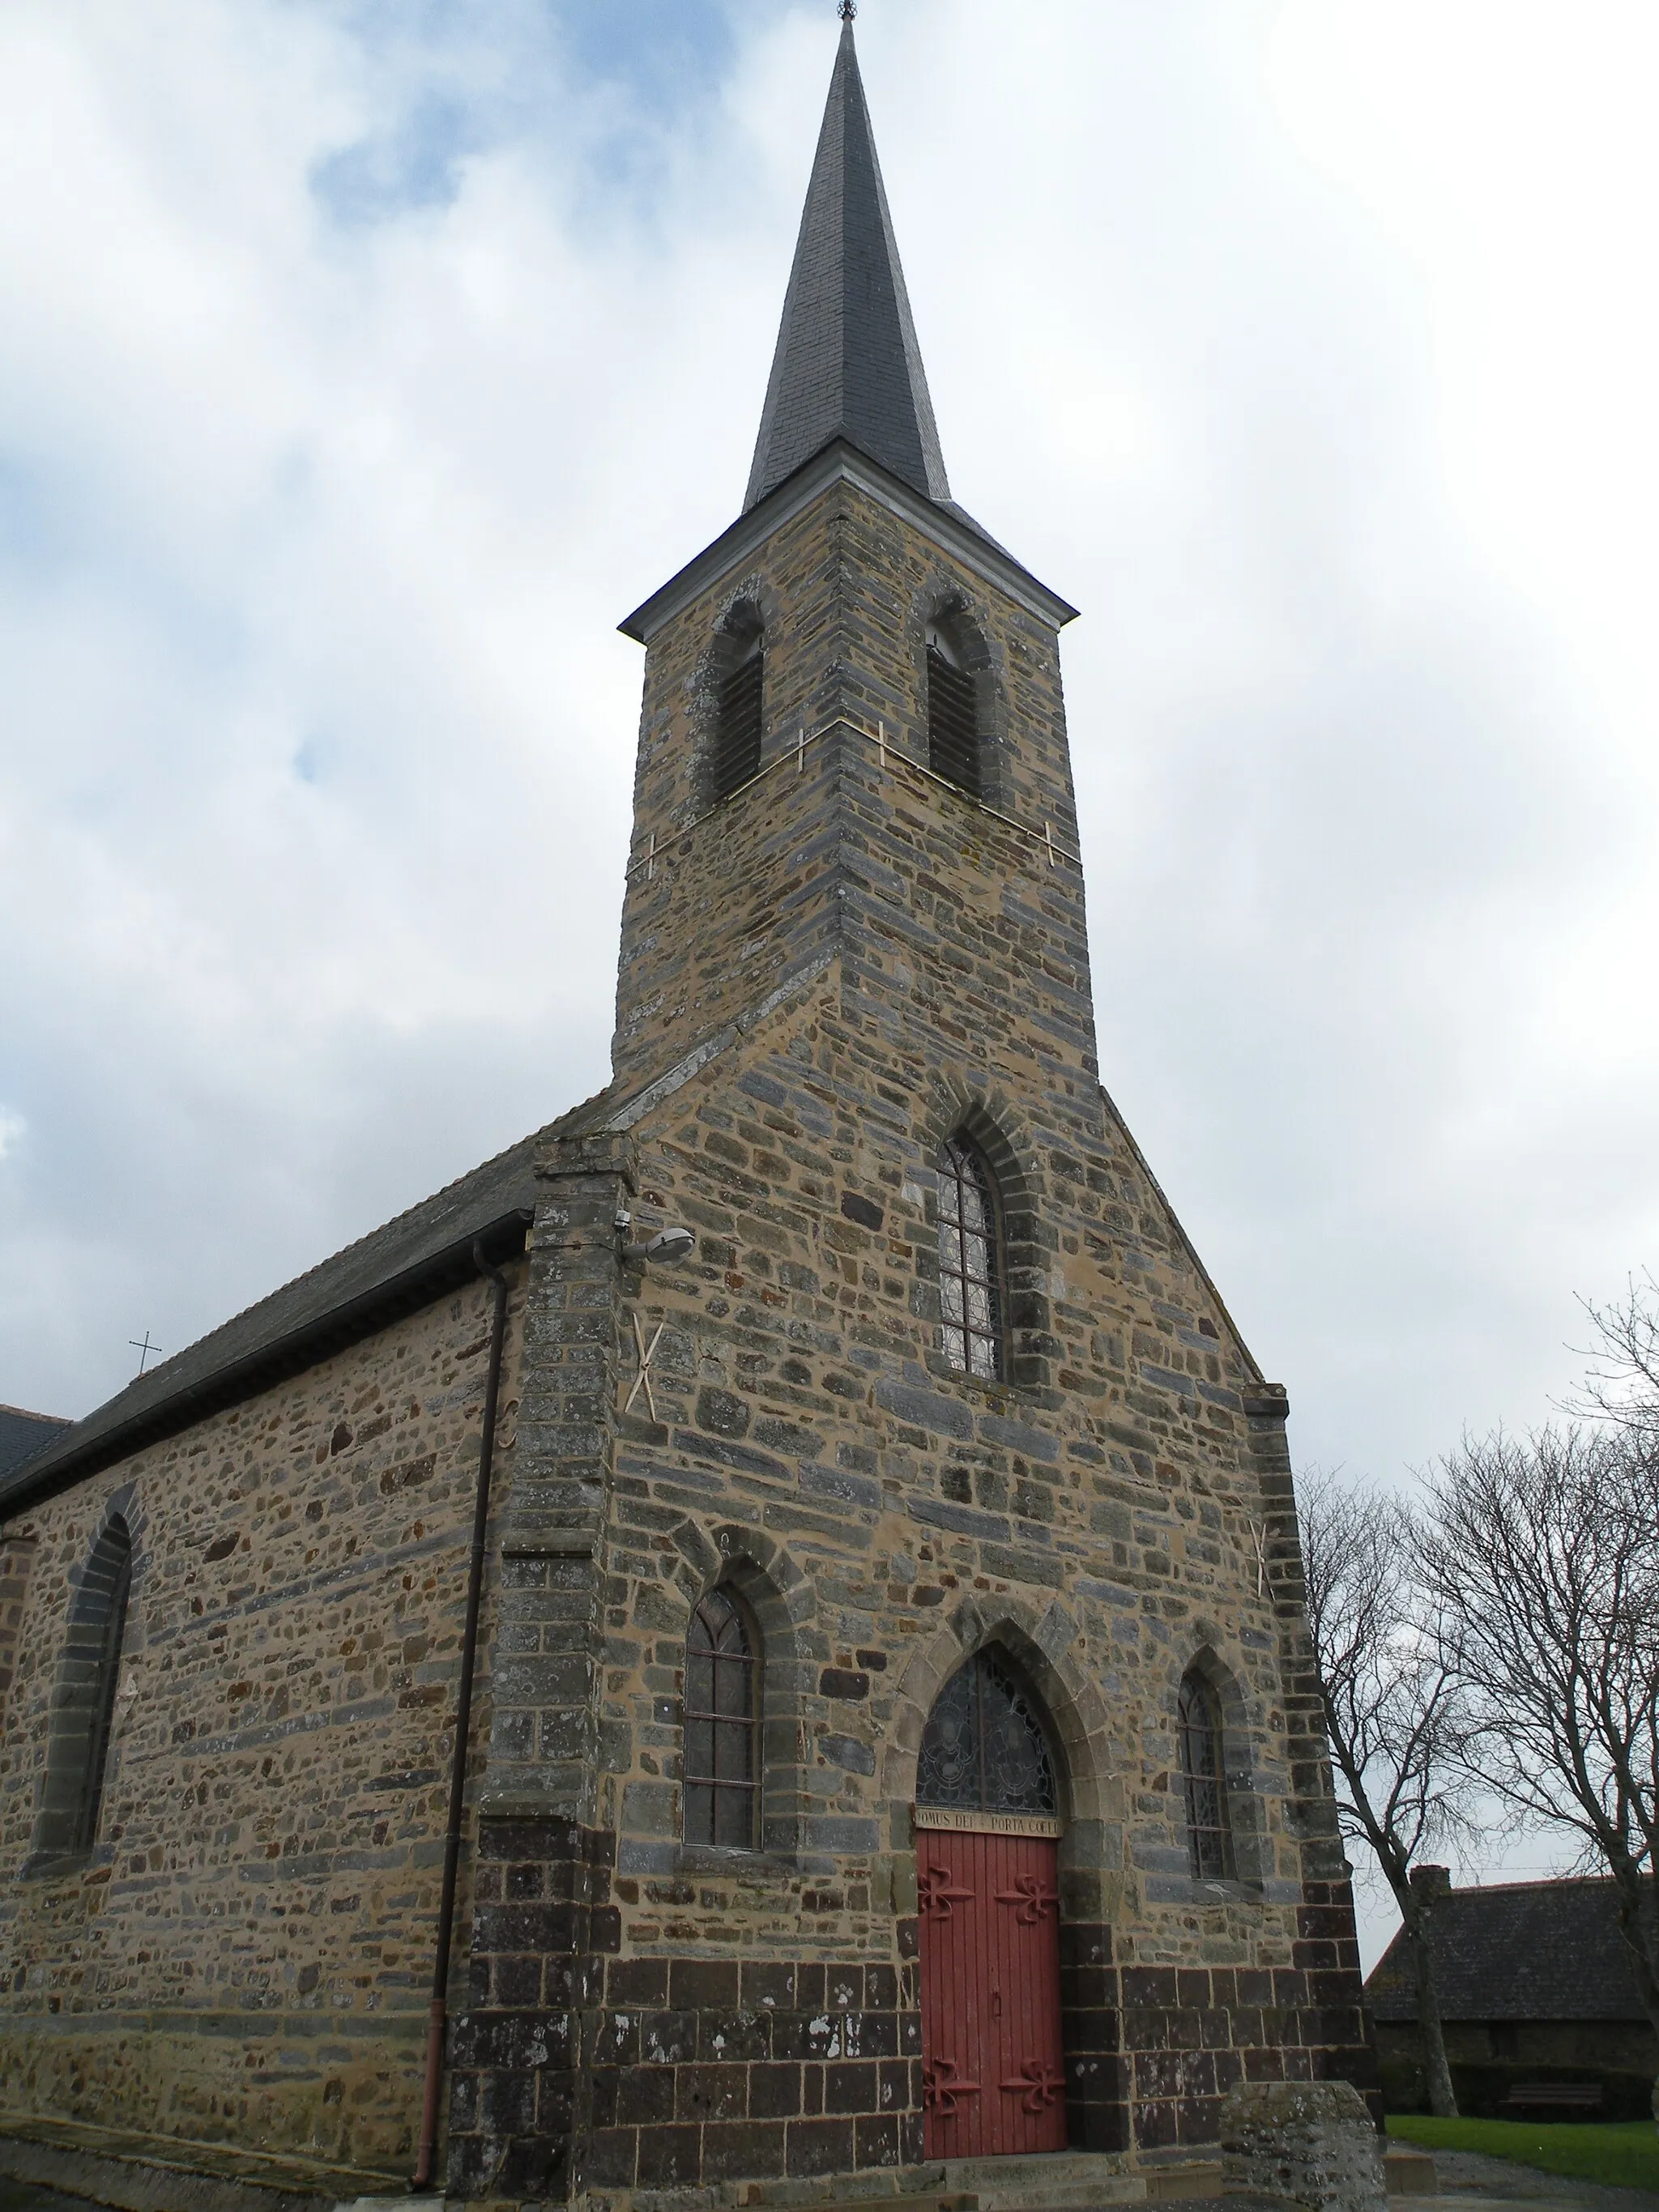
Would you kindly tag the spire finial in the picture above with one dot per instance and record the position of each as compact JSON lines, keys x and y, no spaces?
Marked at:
{"x":848,"y":10}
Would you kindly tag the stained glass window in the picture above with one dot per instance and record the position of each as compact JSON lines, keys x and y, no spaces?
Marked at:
{"x":721,"y":1780}
{"x":984,"y":1747}
{"x":1209,"y":1847}
{"x":969,"y":1294}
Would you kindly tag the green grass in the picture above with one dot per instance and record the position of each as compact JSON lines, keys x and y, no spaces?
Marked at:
{"x":1624,"y":2153}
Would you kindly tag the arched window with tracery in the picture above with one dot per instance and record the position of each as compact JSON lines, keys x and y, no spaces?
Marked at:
{"x":985,"y":1748}
{"x":83,"y":1708}
{"x":969,"y":1261}
{"x":1209,"y":1842}
{"x":953,"y":737}
{"x":739,"y":686}
{"x":721,"y":1778}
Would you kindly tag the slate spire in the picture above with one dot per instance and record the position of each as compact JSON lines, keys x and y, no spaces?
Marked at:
{"x":847,"y":364}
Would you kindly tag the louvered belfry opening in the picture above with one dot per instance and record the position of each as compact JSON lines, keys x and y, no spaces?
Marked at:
{"x":740,"y":677}
{"x":952,"y":716}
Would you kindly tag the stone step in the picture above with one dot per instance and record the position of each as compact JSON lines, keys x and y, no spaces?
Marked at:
{"x":1410,"y":2172}
{"x":1182,"y":2181}
{"x":921,"y":2188}
{"x":1051,"y":2181}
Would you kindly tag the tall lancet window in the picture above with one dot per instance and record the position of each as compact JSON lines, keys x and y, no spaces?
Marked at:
{"x":970,"y":1274}
{"x":83,"y":1702}
{"x":721,"y":1780}
{"x":739,"y":680}
{"x":953,"y":712}
{"x":1209,"y":1844}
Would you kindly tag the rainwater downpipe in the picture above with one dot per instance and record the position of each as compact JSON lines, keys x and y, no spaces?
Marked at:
{"x":434,"y":2041}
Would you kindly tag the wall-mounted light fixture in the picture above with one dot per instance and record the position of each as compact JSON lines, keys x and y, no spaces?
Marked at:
{"x":666,"y":1249}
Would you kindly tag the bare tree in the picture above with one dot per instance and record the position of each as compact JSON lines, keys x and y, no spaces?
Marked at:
{"x":1394,"y":1711}
{"x":1546,"y":1550}
{"x":1621,"y":1381}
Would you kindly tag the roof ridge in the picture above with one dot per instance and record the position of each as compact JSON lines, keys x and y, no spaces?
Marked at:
{"x":63,"y":1421}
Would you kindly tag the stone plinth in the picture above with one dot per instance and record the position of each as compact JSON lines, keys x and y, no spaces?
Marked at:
{"x":1312,"y":2142}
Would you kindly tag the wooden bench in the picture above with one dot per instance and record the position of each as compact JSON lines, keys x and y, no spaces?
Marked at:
{"x":1555,"y":2096}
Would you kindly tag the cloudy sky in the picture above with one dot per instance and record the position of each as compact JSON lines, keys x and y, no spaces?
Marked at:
{"x":360,"y":365}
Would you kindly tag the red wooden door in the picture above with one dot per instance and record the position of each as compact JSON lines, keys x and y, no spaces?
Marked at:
{"x":992,"y":2075}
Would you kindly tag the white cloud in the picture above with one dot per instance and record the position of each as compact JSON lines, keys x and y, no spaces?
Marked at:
{"x":12,"y":1130}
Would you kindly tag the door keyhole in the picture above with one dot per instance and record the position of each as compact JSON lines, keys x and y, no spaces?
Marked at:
{"x":996,"y":2001}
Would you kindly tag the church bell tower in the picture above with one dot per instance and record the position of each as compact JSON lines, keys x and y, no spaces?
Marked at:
{"x":902,"y":1708}
{"x":852,"y":735}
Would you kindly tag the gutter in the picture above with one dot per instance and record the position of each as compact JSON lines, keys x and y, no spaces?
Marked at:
{"x":421,"y":2177}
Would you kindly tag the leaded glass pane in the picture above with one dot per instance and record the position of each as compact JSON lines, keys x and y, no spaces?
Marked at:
{"x":699,"y":1746}
{"x":970,"y":1302}
{"x":947,"y":1772}
{"x":1209,"y":1853}
{"x":720,"y":1724}
{"x":984,"y":1747}
{"x":733,"y":1819}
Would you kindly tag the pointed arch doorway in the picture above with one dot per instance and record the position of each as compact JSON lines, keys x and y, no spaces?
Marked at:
{"x":988,"y":1894}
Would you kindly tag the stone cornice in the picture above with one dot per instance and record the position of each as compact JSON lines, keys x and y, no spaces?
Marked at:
{"x":840,"y":462}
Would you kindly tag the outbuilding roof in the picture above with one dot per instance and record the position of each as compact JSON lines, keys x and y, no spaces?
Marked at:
{"x":1529,"y":1950}
{"x":22,"y":1435}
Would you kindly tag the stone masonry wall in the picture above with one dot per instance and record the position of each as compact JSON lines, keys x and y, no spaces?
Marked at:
{"x":246,"y":1956}
{"x":716,"y":917}
{"x":16,"y":1558}
{"x":1119,"y":1508}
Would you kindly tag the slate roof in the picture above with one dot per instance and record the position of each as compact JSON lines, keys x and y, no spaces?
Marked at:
{"x":847,"y":364}
{"x":396,"y":1269}
{"x":1532,"y":1950}
{"x":22,"y":1435}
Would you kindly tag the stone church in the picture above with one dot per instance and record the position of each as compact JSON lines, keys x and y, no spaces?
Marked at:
{"x":752,"y":1646}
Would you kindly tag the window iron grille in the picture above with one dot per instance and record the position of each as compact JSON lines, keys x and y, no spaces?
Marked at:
{"x":970,"y":1300}
{"x":1209,"y":1843}
{"x":721,"y":1780}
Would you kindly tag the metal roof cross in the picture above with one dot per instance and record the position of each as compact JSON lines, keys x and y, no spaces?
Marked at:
{"x":144,"y":1349}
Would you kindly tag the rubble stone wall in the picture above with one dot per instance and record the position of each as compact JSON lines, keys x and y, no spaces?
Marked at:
{"x":245,"y":1955}
{"x":823,"y":980}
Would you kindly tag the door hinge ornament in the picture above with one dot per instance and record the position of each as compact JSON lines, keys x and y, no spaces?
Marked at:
{"x":1039,"y":2084}
{"x":941,"y":2086}
{"x":1032,"y":1898}
{"x":935,"y":1894}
